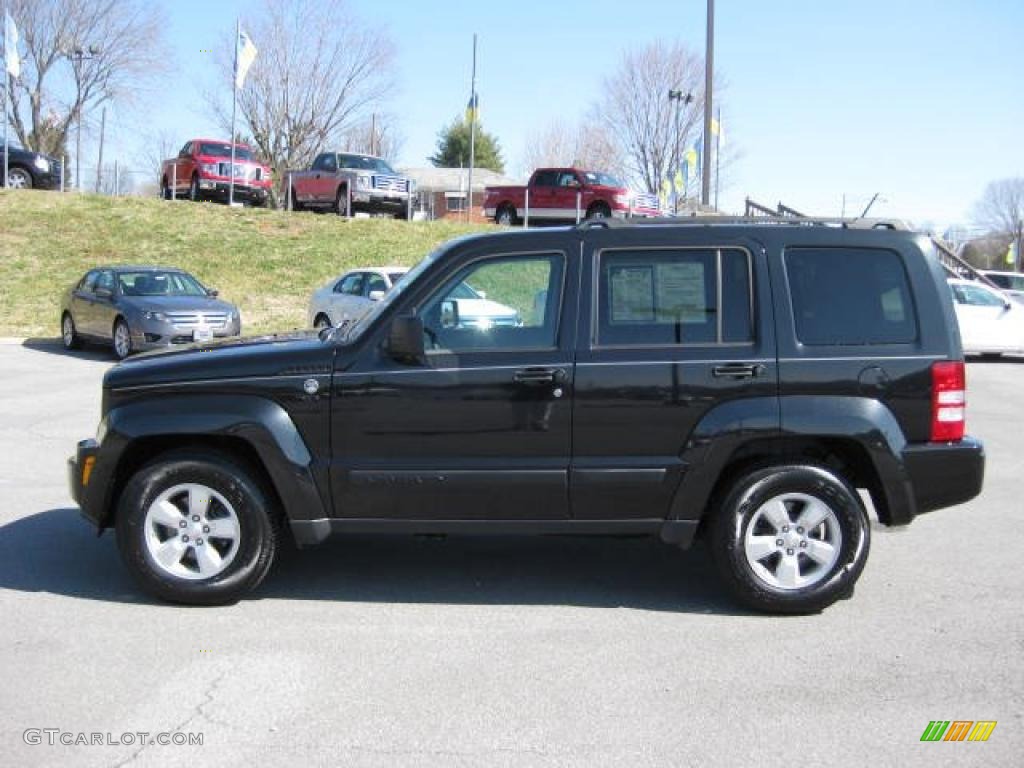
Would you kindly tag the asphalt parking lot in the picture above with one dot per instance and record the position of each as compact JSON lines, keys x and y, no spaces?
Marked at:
{"x":488,"y":652}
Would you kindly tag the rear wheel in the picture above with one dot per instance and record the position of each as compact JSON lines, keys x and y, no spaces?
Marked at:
{"x":505,"y":216}
{"x":790,"y":538}
{"x":196,"y":529}
{"x":69,"y":336}
{"x":122,"y":339}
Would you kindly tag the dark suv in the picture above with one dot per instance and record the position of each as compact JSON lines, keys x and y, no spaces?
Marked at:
{"x":735,"y":381}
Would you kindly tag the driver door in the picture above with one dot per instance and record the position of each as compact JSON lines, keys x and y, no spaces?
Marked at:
{"x":480,"y":428}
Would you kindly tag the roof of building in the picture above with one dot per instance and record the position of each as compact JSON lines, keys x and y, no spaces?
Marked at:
{"x":432,"y":179}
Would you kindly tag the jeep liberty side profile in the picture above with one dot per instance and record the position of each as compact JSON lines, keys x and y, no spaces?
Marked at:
{"x":736,"y":381}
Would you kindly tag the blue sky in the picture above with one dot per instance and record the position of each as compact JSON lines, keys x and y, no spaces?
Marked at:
{"x":921,"y":101}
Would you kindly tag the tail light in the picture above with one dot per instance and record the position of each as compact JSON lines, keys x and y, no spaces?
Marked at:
{"x":949,"y":401}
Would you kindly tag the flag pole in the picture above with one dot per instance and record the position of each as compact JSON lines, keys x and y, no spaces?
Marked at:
{"x":472,"y":135}
{"x":234,"y":108}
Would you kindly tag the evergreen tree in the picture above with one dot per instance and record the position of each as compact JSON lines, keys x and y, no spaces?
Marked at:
{"x":453,"y":148}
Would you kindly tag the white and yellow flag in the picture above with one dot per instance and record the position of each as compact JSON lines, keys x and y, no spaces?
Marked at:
{"x":11,"y":46}
{"x":245,"y":55}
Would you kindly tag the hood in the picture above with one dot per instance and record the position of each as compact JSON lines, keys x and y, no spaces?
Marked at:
{"x":470,"y":308}
{"x":273,"y":355}
{"x":178,"y":303}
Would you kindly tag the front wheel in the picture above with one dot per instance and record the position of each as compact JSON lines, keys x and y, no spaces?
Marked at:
{"x":122,"y":339}
{"x":598,"y":212}
{"x":193,"y":190}
{"x":342,"y":207}
{"x":196,"y":529}
{"x":322,"y":321}
{"x":790,"y":538}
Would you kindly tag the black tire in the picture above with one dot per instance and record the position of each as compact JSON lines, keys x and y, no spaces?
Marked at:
{"x":258,"y":530}
{"x":69,"y":334}
{"x":322,"y":321}
{"x":505,"y":216}
{"x":193,"y":190}
{"x":121,"y":351}
{"x":747,"y":499}
{"x":165,"y":190}
{"x":341,"y":201}
{"x":19,"y":178}
{"x":599,"y":211}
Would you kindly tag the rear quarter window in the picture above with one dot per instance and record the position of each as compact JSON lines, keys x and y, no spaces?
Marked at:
{"x":850,"y":296}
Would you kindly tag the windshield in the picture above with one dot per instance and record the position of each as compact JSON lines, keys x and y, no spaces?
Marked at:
{"x":224,"y":150}
{"x":603,"y":179}
{"x":363,"y":163}
{"x":150,"y":283}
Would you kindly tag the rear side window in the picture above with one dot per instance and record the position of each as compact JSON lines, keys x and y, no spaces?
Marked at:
{"x":850,"y":296}
{"x":669,"y":297}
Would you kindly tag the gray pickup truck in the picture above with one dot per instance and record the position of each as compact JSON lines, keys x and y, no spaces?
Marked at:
{"x":347,"y":183}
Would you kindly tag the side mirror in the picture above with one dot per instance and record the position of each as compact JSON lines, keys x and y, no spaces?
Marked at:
{"x":375,"y":295}
{"x":212,"y":292}
{"x":405,"y":339}
{"x":449,"y":313}
{"x":103,"y":293}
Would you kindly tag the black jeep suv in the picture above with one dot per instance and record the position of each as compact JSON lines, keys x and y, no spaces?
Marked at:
{"x":735,"y":381}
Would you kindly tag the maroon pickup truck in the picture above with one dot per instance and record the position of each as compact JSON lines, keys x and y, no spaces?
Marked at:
{"x":565,"y":194}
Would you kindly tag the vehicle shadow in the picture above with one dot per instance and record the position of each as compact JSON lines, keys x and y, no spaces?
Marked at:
{"x":639,"y":573}
{"x":94,"y":352}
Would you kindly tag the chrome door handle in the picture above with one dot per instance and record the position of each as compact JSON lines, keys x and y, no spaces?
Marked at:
{"x":737,"y":371}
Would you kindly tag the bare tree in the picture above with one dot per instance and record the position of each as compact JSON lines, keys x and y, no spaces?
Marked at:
{"x":587,"y":145}
{"x":376,"y":135}
{"x":1001,"y":207}
{"x":1001,"y":212}
{"x":638,"y":116}
{"x":318,"y":73}
{"x":119,"y":46}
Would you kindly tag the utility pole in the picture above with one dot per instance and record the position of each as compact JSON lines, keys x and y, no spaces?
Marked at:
{"x":99,"y":165}
{"x":709,"y":67}
{"x":77,"y":56}
{"x":680,"y":99}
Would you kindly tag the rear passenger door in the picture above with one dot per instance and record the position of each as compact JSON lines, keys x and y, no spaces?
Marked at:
{"x":674,"y":331}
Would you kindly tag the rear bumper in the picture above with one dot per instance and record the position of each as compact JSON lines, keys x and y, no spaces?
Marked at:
{"x":944,"y":474}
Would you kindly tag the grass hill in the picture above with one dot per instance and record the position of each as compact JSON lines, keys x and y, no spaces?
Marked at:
{"x":267,"y":262}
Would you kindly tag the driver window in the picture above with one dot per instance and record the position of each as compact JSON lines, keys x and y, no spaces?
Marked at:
{"x":509,"y":302}
{"x":567,"y":179}
{"x":106,"y":281}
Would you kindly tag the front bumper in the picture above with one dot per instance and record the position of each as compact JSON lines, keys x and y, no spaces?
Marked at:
{"x":244,"y":192}
{"x":374,"y":202}
{"x":944,"y":474}
{"x":83,"y":484}
{"x":154,"y":334}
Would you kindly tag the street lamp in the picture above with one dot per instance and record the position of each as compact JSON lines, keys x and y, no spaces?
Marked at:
{"x":680,"y":99}
{"x":76,"y":55}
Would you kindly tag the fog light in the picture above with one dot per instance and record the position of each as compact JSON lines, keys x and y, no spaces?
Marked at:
{"x":87,"y":466}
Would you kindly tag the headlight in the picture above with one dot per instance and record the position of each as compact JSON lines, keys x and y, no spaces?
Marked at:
{"x":210,"y":168}
{"x":159,"y":317}
{"x":41,"y":163}
{"x":363,"y":182}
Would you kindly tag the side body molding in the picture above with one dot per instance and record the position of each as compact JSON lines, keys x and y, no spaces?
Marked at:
{"x":261,"y":423}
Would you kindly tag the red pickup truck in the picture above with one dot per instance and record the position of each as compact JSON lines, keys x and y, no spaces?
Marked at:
{"x":563,"y":194}
{"x":202,"y":170}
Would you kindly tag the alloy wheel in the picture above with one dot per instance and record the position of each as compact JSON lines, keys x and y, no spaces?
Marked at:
{"x":192,"y":532}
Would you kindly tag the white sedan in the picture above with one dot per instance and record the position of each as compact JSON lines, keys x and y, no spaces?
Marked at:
{"x":351,"y":296}
{"x":990,"y":323}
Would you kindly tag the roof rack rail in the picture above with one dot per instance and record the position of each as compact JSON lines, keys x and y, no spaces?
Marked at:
{"x":712,"y":220}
